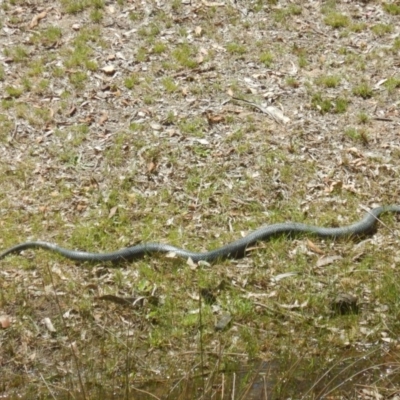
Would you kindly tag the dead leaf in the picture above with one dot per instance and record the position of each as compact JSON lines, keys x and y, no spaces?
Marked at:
{"x":108,"y":69}
{"x":49,"y":325}
{"x":110,"y":9}
{"x":294,"y":305}
{"x":334,"y":186}
{"x":103,"y":118}
{"x":171,"y":254}
{"x":81,"y":206}
{"x":324,"y":261}
{"x":277,"y":115}
{"x":279,"y":277}
{"x":192,"y":265}
{"x":197,"y":30}
{"x":355,"y":152}
{"x":313,"y":247}
{"x":212,"y":4}
{"x":151,"y":167}
{"x":215,"y":118}
{"x":36,"y":19}
{"x":112,"y":212}
{"x":155,"y":126}
{"x":5,"y":321}
{"x":71,"y":111}
{"x":380,"y":83}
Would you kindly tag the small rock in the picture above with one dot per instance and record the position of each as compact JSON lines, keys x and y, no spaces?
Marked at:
{"x":222,"y":322}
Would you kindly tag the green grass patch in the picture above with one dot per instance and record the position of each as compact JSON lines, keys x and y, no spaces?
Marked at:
{"x":236,"y":48}
{"x":169,"y":85}
{"x":392,"y":8}
{"x":185,"y":54}
{"x":358,"y":27}
{"x":131,"y":81}
{"x":78,"y":79}
{"x":360,"y":135}
{"x":392,"y":83}
{"x":396,"y":45}
{"x":281,"y":15}
{"x":19,"y":54}
{"x":74,"y":6}
{"x":363,"y":90}
{"x":337,"y":20}
{"x":302,"y":61}
{"x":14,"y":92}
{"x":159,"y":47}
{"x":325,"y":105}
{"x":96,"y":15}
{"x":363,"y":117}
{"x":328,"y":81}
{"x":267,"y":59}
{"x":149,"y":32}
{"x":36,"y":68}
{"x":381,"y":29}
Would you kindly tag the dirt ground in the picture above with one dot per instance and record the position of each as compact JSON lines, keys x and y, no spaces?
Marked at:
{"x":193,"y":123}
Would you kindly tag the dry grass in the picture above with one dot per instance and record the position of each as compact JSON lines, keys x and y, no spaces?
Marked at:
{"x":115,"y":128}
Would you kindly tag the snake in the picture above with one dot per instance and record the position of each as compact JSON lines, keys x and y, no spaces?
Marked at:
{"x":235,"y":249}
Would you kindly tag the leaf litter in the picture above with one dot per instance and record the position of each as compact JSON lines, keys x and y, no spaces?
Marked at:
{"x":118,"y":131}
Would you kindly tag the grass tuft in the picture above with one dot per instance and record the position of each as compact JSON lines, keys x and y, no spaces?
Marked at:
{"x":329,"y":81}
{"x":363,"y":90}
{"x":337,"y":20}
{"x":381,"y":29}
{"x":325,"y":105}
{"x":392,"y":8}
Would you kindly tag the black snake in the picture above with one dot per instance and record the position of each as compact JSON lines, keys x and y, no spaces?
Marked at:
{"x":236,"y":249}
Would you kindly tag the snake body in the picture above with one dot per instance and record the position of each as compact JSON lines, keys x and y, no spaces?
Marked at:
{"x":236,"y":249}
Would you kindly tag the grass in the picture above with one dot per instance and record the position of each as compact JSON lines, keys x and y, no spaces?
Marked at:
{"x":337,"y":20}
{"x":169,"y":85}
{"x":363,"y":117}
{"x":381,"y":29}
{"x":156,"y":169}
{"x":393,"y":9}
{"x":357,"y":27}
{"x":184,"y":55}
{"x":14,"y":92}
{"x":19,"y":54}
{"x":281,"y":15}
{"x":159,"y":48}
{"x":328,"y":81}
{"x":357,"y":135}
{"x":74,"y":6}
{"x":363,"y":90}
{"x":235,"y":48}
{"x":325,"y":105}
{"x":392,"y":83}
{"x":267,"y":59}
{"x":131,"y":81}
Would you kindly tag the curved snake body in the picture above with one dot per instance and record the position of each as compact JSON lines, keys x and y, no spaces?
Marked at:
{"x":236,"y":249}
